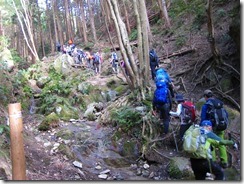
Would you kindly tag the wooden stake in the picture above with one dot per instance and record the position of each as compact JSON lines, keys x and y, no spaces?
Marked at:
{"x":17,"y":146}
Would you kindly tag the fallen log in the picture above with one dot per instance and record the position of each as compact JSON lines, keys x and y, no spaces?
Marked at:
{"x":180,"y":52}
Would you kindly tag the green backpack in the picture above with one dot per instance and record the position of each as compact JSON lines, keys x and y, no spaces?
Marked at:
{"x":195,"y":143}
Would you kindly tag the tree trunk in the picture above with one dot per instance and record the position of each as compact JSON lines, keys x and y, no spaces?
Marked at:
{"x":126,"y":16}
{"x":165,"y":12}
{"x":91,"y":16}
{"x":27,"y":30}
{"x":68,"y":20}
{"x":214,"y":49}
{"x":83,"y":21}
{"x":54,"y":21}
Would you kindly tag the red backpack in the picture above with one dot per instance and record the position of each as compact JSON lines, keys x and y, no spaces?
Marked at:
{"x":189,"y":112}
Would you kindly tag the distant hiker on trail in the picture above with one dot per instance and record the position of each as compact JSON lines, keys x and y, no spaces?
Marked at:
{"x":89,"y":59}
{"x":186,"y":112}
{"x":70,"y":42}
{"x":200,"y":154}
{"x":123,"y":66}
{"x":162,"y":74}
{"x":153,"y":62}
{"x":64,"y":49}
{"x":162,"y":103}
{"x":115,"y":62}
{"x":219,"y":124}
{"x":96,"y":62}
{"x":58,"y":47}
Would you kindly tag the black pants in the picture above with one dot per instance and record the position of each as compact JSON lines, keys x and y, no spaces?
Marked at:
{"x":201,"y":166}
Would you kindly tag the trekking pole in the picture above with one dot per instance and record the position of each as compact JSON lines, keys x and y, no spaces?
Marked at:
{"x":17,"y":146}
{"x":176,"y":145}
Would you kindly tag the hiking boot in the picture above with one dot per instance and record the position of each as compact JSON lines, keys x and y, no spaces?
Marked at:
{"x":224,"y":165}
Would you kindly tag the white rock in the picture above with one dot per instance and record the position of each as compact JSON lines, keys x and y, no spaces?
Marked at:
{"x":98,"y":167}
{"x":103,"y":176}
{"x":105,"y":172}
{"x":146,"y":166}
{"x":77,"y":164}
{"x":46,"y":144}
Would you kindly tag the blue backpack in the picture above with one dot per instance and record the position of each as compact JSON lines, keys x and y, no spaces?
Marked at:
{"x":161,"y":93}
{"x":161,"y":74}
{"x":96,"y":59}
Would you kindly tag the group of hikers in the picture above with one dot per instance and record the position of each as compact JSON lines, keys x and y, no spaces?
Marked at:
{"x":200,"y":140}
{"x":90,"y":60}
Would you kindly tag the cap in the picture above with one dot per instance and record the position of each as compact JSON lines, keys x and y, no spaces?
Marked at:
{"x":179,"y":98}
{"x":206,"y":123}
{"x":208,"y":93}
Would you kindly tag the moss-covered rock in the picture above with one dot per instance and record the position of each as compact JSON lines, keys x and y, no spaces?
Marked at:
{"x":65,"y":134}
{"x":52,"y":120}
{"x":179,"y":168}
{"x":66,"y":113}
{"x":64,"y":149}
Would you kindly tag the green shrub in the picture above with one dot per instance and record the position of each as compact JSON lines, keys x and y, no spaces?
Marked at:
{"x":126,"y":117}
{"x":133,"y":35}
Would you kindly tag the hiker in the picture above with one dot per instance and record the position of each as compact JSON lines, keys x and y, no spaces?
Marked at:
{"x":80,"y":55}
{"x":58,"y":47}
{"x":162,"y":74}
{"x":186,"y":112}
{"x":162,"y":103}
{"x":96,"y":62}
{"x":123,"y":66}
{"x":206,"y":115}
{"x":201,"y":159}
{"x":114,"y":61}
{"x":153,"y":57}
{"x":89,"y":59}
{"x":70,"y":42}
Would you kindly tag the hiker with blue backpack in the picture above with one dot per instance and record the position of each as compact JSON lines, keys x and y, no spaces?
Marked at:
{"x":115,"y":62}
{"x":162,"y":103}
{"x":162,"y":74}
{"x":96,"y":62}
{"x":219,"y":121}
{"x":154,"y":62}
{"x":198,"y":143}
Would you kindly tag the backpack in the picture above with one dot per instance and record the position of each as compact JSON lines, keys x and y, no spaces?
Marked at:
{"x":115,"y":56}
{"x":96,"y":59}
{"x":195,"y":143}
{"x":217,"y":114}
{"x":153,"y":57}
{"x":161,"y":74}
{"x":189,"y":112}
{"x":161,"y":93}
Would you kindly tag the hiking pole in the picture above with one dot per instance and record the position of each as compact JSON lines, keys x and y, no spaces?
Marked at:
{"x":17,"y":146}
{"x":176,"y":145}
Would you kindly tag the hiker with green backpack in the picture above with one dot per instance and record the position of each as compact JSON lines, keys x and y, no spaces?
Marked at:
{"x":214,"y":111}
{"x":197,"y":143}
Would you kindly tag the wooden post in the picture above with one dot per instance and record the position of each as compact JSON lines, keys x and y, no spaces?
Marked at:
{"x":17,"y":146}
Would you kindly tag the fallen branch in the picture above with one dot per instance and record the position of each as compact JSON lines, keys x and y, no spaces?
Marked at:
{"x":161,"y":154}
{"x":229,"y":98}
{"x":180,"y":52}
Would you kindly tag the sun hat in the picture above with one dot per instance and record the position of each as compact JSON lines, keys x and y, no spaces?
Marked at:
{"x":206,"y":123}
